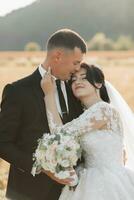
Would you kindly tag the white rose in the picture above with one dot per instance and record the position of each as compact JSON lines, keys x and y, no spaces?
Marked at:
{"x":39,"y":155}
{"x":64,"y":163}
{"x":48,"y":166}
{"x":73,"y":159}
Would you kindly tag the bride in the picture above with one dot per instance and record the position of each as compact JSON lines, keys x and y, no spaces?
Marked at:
{"x":103,"y":129}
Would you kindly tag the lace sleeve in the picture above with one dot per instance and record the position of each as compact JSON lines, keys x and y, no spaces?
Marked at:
{"x":98,"y":117}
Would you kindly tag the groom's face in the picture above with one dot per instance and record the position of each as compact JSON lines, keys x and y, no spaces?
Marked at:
{"x":68,"y":62}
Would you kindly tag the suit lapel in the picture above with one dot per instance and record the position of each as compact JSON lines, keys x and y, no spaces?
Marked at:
{"x":38,"y":93}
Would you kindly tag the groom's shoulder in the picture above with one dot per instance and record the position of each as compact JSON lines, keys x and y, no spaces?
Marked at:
{"x":27,"y":80}
{"x":23,"y":84}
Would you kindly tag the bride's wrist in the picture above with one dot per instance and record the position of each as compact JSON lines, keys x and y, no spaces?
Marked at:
{"x":49,"y":95}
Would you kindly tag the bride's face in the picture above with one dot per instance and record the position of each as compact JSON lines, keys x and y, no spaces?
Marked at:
{"x":81,"y":87}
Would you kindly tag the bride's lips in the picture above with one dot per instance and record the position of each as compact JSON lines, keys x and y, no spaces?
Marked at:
{"x":79,"y":87}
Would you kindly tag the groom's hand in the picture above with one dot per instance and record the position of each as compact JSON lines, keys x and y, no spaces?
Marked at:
{"x":66,"y":181}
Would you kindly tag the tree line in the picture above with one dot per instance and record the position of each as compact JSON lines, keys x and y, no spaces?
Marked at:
{"x":99,"y":42}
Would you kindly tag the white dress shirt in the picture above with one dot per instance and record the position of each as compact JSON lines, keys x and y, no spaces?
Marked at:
{"x":42,"y":72}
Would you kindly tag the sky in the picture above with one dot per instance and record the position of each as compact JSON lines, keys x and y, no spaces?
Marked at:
{"x":6,"y":6}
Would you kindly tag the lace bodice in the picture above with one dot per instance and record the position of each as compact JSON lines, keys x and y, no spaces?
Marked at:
{"x":100,"y":116}
{"x":100,"y":132}
{"x":105,"y":177}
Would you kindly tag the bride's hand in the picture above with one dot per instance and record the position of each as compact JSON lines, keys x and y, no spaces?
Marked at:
{"x":48,"y":83}
{"x":66,"y":181}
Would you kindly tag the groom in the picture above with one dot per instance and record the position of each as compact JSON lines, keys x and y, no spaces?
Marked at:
{"x":23,"y":117}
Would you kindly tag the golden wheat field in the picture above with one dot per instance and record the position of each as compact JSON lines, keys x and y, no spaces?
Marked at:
{"x":117,"y":66}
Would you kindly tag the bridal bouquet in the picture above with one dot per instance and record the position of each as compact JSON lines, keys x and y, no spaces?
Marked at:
{"x":57,"y":153}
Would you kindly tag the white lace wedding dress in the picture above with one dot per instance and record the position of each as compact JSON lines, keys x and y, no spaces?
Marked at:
{"x":105,"y":177}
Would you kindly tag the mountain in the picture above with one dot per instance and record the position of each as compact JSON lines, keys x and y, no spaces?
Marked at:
{"x":37,"y":21}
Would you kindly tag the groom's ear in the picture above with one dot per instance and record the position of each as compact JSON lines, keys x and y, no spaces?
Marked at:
{"x":57,"y":55}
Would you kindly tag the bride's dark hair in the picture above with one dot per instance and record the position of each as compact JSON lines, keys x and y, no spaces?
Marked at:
{"x":95,"y":75}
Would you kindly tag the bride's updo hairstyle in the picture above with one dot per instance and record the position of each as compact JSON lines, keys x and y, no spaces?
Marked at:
{"x":95,"y":75}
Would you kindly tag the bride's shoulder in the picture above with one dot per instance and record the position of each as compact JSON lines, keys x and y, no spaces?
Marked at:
{"x":99,"y":104}
{"x":98,"y":110}
{"x":102,"y":105}
{"x":108,"y":109}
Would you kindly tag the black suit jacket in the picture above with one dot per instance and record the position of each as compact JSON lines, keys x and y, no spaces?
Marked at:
{"x":22,"y":121}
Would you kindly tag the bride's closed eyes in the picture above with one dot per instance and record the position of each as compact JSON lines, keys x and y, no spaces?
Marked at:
{"x":79,"y":78}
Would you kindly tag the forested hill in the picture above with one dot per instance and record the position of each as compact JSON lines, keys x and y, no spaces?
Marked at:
{"x":37,"y":21}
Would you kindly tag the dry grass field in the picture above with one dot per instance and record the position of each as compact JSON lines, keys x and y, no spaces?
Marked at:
{"x":117,"y":66}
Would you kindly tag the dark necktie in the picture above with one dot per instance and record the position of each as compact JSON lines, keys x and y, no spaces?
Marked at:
{"x":62,"y":102}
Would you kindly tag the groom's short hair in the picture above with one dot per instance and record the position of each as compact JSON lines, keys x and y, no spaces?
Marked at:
{"x":66,"y":38}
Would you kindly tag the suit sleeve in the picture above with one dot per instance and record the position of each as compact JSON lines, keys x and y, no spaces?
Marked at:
{"x":10,"y":119}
